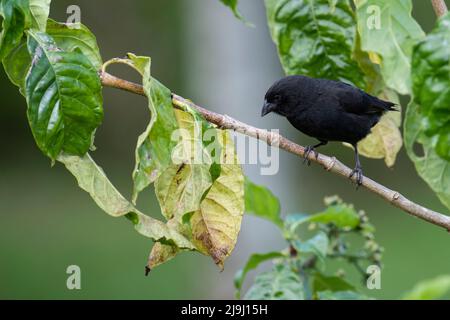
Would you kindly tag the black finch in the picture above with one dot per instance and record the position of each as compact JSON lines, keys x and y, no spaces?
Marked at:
{"x":326,"y":110}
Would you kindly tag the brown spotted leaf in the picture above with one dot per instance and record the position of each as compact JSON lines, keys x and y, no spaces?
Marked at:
{"x":160,"y":254}
{"x":215,"y":226}
{"x":385,"y":139}
{"x":180,"y":187}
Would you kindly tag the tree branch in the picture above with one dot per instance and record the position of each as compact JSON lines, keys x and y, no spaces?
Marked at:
{"x":330,"y":164}
{"x":440,"y":8}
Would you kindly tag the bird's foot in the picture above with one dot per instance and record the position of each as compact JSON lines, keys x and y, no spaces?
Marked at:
{"x":308,"y":151}
{"x":358,"y":174}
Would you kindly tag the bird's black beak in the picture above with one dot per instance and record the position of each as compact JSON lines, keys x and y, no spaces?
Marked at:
{"x":267,"y":108}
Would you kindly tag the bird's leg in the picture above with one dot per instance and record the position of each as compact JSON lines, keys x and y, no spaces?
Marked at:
{"x":310,"y":149}
{"x":357,"y":172}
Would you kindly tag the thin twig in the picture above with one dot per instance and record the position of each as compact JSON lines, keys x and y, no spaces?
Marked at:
{"x":440,"y":8}
{"x":273,"y":139}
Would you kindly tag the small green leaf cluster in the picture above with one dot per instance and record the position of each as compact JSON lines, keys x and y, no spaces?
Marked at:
{"x":299,"y":271}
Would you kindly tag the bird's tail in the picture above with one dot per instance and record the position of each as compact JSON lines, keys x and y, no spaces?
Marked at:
{"x":378,"y":105}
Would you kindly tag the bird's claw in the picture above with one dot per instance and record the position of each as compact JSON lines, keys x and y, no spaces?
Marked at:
{"x":308,"y":151}
{"x":358,"y":174}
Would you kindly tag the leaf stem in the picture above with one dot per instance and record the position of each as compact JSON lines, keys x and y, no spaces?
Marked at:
{"x":330,"y":164}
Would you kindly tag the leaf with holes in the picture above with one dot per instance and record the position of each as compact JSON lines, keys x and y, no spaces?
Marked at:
{"x":315,"y":38}
{"x":388,"y":33}
{"x":64,"y":98}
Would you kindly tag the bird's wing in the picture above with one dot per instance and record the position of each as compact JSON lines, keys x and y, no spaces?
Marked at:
{"x":354,"y":100}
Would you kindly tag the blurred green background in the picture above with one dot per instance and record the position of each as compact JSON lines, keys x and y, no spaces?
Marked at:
{"x":202,"y":52}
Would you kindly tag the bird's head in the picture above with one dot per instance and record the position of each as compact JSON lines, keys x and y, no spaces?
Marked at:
{"x":282,"y":96}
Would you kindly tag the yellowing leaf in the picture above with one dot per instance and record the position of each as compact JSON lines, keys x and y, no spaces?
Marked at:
{"x":154,"y":147}
{"x":385,"y":139}
{"x":161,"y":253}
{"x":181,"y":186}
{"x":375,"y":58}
{"x":388,"y":33}
{"x":93,"y":180}
{"x":432,"y":289}
{"x":215,"y":226}
{"x":39,"y":10}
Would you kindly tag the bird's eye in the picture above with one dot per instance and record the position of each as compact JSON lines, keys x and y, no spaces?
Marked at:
{"x":276,"y":98}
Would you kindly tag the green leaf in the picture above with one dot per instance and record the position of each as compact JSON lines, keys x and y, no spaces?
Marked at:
{"x":67,"y":37}
{"x":388,"y":33}
{"x":432,"y":168}
{"x":430,"y":289}
{"x":75,"y":35}
{"x":261,"y":202}
{"x":317,"y":245}
{"x":64,"y":98}
{"x":215,"y":226}
{"x":385,"y":140}
{"x":330,"y":283}
{"x":39,"y":13}
{"x":315,"y":38}
{"x":16,"y":19}
{"x":16,"y":65}
{"x":341,"y":295}
{"x":431,"y":82}
{"x":181,"y":186}
{"x":279,"y":284}
{"x":93,"y":180}
{"x":341,"y":215}
{"x":253,"y":262}
{"x":154,"y":147}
